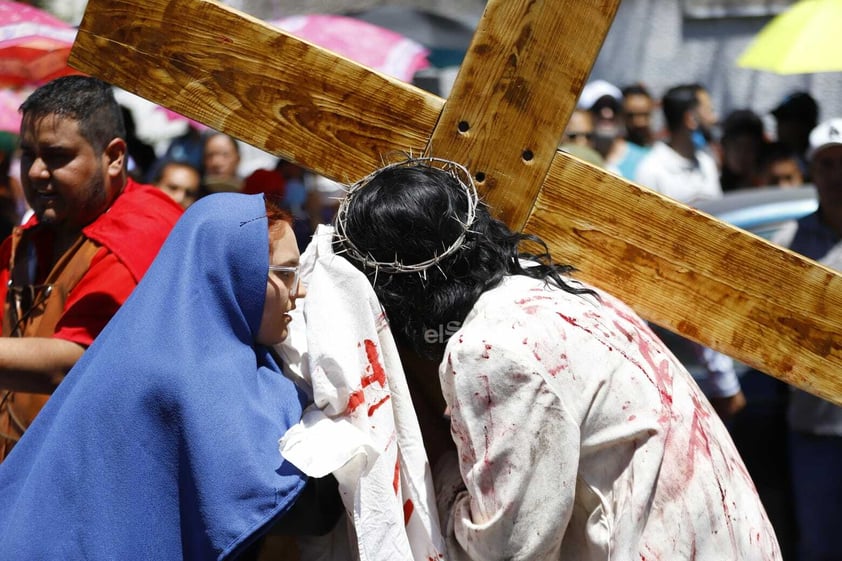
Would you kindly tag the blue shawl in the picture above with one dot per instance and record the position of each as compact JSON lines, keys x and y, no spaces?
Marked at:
{"x":162,"y":441}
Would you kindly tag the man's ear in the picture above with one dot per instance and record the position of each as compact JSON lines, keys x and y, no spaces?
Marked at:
{"x":115,"y":155}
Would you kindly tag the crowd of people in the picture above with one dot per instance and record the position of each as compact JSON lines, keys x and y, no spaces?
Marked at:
{"x":790,"y":440}
{"x":158,"y":349}
{"x":739,"y":151}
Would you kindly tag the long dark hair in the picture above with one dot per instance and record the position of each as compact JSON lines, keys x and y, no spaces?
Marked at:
{"x":413,"y":213}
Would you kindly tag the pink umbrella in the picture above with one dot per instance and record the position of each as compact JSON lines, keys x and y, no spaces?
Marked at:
{"x":368,"y":44}
{"x":34,"y":45}
{"x":10,"y":100}
{"x":173,"y":116}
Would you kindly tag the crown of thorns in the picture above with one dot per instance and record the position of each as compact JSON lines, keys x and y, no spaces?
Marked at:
{"x":462,"y":176}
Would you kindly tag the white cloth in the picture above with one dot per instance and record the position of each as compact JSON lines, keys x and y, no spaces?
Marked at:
{"x":580,"y":436}
{"x":362,"y":426}
{"x":666,"y":171}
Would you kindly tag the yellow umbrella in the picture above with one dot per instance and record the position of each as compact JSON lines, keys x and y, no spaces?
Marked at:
{"x":803,"y":39}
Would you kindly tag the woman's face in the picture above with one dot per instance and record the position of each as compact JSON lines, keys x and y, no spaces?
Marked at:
{"x":280,"y":292}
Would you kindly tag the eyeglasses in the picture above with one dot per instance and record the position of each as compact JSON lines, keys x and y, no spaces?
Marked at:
{"x":289,"y":275}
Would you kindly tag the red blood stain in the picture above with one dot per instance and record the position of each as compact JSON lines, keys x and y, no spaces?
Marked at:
{"x":698,"y":434}
{"x":532,"y":299}
{"x":563,"y":364}
{"x":355,"y":400}
{"x":377,"y":372}
{"x":628,"y":333}
{"x":663,"y":379}
{"x":408,"y":507}
{"x":485,"y":353}
{"x":397,"y":478}
{"x":377,"y":405}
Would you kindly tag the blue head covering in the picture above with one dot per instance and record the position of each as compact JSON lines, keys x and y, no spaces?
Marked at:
{"x":162,"y":441}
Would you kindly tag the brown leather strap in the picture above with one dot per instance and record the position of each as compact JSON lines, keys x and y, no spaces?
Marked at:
{"x":35,"y":313}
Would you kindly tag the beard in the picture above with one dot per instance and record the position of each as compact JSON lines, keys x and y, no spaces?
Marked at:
{"x":77,"y":212}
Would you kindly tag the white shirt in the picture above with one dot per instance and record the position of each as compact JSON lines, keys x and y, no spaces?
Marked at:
{"x":580,"y":436}
{"x":666,"y":171}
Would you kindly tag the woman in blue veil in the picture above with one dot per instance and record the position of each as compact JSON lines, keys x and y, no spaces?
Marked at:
{"x":162,"y":442}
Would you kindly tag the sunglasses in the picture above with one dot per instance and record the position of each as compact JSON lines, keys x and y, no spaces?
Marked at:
{"x":576,"y":135}
{"x":289,"y":275}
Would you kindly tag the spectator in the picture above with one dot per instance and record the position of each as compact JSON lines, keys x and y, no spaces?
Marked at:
{"x":621,"y":157}
{"x":221,"y":160}
{"x":181,"y":181}
{"x":779,"y":166}
{"x":816,"y":424}
{"x":141,"y":155}
{"x":298,"y":197}
{"x":743,"y":139}
{"x":269,"y":181}
{"x":579,"y":129}
{"x":578,"y":138}
{"x":678,"y":167}
{"x":594,"y":90}
{"x":638,"y":106}
{"x":795,"y":116}
{"x":93,"y":234}
{"x":185,"y":148}
{"x":323,"y":199}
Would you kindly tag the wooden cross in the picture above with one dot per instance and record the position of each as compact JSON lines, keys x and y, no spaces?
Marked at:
{"x":516,"y":88}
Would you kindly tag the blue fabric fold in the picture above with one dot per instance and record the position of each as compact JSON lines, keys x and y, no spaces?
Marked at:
{"x":162,"y":442}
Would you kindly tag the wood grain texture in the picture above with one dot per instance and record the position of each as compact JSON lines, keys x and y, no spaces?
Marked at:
{"x":239,"y":75}
{"x":515,"y":92}
{"x":713,"y":283}
{"x":694,"y":275}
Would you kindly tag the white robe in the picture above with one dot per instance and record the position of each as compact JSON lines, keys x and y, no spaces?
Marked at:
{"x":581,"y":437}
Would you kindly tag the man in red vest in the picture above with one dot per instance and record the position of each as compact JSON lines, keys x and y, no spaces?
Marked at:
{"x":93,"y":234}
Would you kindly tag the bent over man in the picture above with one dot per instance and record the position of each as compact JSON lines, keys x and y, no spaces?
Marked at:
{"x":559,"y":426}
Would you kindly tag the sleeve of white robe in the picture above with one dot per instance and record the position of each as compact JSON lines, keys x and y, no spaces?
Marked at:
{"x":518,"y":451}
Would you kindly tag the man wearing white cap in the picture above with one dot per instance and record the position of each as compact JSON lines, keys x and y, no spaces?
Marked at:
{"x":816,"y":424}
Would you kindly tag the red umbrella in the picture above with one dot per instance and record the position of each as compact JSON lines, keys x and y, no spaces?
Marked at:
{"x":368,"y":44}
{"x":34,"y":45}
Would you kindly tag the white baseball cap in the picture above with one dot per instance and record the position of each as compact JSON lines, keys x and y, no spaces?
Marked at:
{"x":828,"y":133}
{"x":595,"y":90}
